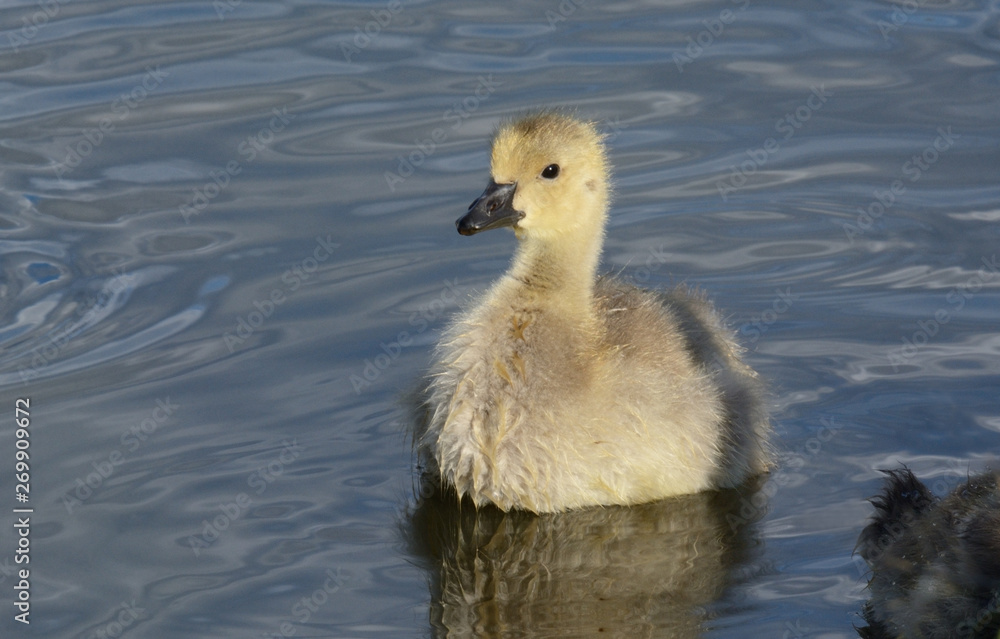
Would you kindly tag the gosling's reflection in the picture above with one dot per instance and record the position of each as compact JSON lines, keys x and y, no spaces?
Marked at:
{"x":600,"y":572}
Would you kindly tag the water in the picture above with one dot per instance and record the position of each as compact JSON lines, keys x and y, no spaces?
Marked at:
{"x":228,"y":248}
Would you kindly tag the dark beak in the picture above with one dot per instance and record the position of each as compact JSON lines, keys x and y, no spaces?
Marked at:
{"x":493,"y":209}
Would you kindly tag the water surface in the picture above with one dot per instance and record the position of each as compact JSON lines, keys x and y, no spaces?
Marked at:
{"x":227,"y":249}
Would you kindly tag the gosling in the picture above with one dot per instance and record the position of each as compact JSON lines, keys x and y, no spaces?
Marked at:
{"x":935,"y":562}
{"x":561,"y":390}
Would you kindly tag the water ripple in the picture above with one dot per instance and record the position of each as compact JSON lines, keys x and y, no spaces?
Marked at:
{"x":227,"y":226}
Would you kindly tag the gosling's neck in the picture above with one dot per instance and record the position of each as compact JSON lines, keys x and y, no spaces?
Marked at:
{"x":558,"y":269}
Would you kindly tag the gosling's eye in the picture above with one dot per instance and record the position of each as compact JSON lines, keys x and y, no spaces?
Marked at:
{"x":551,"y":172}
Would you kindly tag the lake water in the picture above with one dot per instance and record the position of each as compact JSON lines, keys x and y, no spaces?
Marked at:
{"x":228,"y":247}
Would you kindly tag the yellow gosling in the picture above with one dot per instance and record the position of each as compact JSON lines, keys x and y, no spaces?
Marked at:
{"x":561,"y":390}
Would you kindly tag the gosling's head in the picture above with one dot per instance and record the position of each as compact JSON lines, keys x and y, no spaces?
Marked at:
{"x":549,"y":179}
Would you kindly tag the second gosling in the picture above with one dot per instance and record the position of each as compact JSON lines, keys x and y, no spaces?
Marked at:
{"x":935,"y":561}
{"x":561,"y":390}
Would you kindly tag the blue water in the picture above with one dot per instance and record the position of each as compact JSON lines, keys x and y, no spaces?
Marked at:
{"x":227,"y":248}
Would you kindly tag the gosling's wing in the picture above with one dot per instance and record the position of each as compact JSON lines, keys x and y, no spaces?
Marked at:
{"x":683,"y":324}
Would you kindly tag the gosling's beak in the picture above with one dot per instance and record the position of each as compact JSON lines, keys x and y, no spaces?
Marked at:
{"x":493,"y":209}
